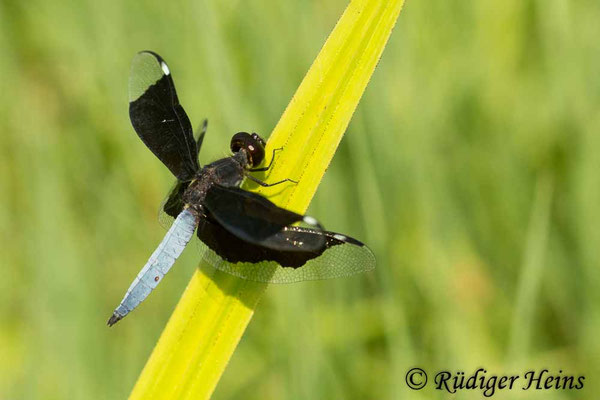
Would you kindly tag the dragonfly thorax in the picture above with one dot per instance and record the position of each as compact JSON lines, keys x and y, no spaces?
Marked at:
{"x":228,"y":171}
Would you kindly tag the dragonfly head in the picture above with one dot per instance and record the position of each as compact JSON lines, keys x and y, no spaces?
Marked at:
{"x":253,"y":144}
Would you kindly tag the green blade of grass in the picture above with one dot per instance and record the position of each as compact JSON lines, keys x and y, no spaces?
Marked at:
{"x":215,"y":308}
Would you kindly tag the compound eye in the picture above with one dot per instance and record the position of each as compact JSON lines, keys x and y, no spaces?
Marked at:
{"x":256,"y":150}
{"x":253,"y":145}
{"x":239,"y":141}
{"x":259,"y":139}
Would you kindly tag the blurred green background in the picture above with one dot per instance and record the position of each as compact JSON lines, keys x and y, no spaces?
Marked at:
{"x":470,"y":167}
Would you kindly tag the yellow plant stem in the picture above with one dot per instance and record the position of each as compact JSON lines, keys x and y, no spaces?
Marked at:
{"x":215,"y":308}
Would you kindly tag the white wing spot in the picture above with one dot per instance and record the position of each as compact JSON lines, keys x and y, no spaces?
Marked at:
{"x":310,"y":220}
{"x":164,"y":67}
{"x":339,"y":237}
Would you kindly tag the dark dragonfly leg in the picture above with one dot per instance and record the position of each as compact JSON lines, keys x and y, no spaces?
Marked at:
{"x":268,"y":166}
{"x":264,"y":184}
{"x":261,"y":183}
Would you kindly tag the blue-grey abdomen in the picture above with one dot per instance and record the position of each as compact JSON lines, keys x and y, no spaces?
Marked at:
{"x":159,"y":264}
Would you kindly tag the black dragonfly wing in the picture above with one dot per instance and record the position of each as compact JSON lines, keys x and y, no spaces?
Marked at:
{"x":201,"y":131}
{"x":173,"y":204}
{"x":256,"y":220}
{"x":340,"y":256}
{"x":157,"y":116}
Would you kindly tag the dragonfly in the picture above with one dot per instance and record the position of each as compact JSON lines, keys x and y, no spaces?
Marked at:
{"x":242,"y":233}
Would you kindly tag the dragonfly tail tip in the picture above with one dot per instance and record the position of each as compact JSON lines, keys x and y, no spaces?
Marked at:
{"x":114,"y":319}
